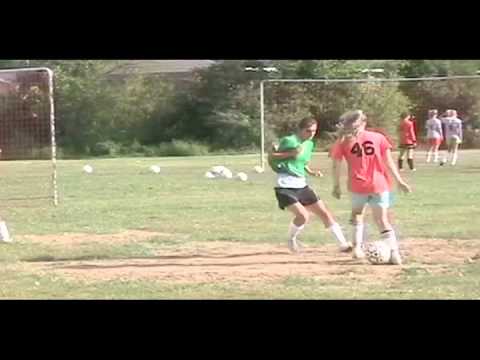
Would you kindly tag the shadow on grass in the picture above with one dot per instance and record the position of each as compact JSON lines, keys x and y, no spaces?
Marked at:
{"x":156,"y":265}
{"x":49,"y":258}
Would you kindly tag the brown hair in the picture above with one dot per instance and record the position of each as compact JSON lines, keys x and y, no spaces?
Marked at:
{"x":348,"y":124}
{"x":307,"y":122}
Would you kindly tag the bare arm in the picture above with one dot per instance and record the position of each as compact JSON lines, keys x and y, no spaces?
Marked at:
{"x":337,"y":192}
{"x":313,"y":172}
{"x":280,"y":155}
{"x":393,"y":169}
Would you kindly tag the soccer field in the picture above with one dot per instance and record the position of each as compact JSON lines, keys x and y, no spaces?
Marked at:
{"x":124,"y":232}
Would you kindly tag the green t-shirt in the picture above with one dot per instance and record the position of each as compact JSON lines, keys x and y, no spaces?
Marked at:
{"x":293,"y":166}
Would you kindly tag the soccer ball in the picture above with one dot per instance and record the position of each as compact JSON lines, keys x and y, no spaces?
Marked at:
{"x":155,"y":169}
{"x":88,"y":169}
{"x":210,"y":175}
{"x":242,"y":176}
{"x":258,"y":169}
{"x":378,"y":253}
{"x":221,"y":171}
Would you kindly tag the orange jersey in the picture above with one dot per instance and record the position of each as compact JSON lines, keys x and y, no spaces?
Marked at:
{"x":365,"y":155}
{"x":407,"y":132}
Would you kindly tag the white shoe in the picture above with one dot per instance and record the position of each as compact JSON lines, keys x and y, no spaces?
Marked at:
{"x":358,"y":253}
{"x":295,"y":245}
{"x":8,"y":240}
{"x":345,"y":248}
{"x":395,"y":258}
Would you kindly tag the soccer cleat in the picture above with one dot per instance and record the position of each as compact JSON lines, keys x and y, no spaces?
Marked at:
{"x":395,"y":258}
{"x":358,"y":253}
{"x":414,"y":169}
{"x":345,"y":248}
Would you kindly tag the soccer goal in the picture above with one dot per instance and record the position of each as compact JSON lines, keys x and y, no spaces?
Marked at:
{"x":28,"y":168}
{"x":283,"y":102}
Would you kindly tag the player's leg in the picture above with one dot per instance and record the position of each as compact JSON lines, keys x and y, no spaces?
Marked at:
{"x":450,"y":149}
{"x":455,"y":152}
{"x":359,"y":204}
{"x":410,"y":153}
{"x":380,"y":210}
{"x":401,"y":156}
{"x":446,"y":152}
{"x":297,"y":225}
{"x":435,"y":151}
{"x":319,"y":208}
{"x":288,"y":199}
{"x":430,"y":150}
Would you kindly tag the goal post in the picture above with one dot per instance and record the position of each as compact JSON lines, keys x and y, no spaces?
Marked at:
{"x":370,"y":79}
{"x":27,"y":132}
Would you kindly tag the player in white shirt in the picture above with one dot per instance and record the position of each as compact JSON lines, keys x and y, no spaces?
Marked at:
{"x":453,"y":136}
{"x":434,"y":135}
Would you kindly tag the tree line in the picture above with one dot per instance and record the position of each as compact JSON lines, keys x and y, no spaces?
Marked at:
{"x":217,"y":109}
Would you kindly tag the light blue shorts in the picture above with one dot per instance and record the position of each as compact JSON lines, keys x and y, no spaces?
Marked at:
{"x":383,"y":200}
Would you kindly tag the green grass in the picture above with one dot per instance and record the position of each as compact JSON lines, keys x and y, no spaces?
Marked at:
{"x":123,"y":195}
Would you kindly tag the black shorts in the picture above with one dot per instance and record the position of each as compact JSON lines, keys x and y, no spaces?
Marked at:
{"x":287,"y":196}
{"x":408,"y":146}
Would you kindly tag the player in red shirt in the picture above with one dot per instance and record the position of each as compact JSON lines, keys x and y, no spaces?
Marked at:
{"x":408,"y":140}
{"x":369,"y":159}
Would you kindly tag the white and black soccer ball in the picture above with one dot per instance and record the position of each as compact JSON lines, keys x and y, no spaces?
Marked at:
{"x":378,"y":253}
{"x":242,"y":176}
{"x":258,"y":169}
{"x":88,"y":169}
{"x":221,"y":171}
{"x":155,"y":169}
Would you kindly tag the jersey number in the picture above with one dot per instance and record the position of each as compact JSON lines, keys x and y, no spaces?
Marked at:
{"x":368,"y":149}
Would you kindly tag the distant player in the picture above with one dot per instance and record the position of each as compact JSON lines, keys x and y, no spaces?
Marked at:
{"x":369,"y":159}
{"x":434,"y":135}
{"x":408,"y":140}
{"x":290,"y":161}
{"x":4,"y":234}
{"x":453,"y":136}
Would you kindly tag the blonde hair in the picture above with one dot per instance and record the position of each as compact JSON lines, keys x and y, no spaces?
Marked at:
{"x":350,"y":123}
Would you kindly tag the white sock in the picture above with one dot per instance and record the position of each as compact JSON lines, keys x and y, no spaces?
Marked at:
{"x":358,"y":235}
{"x":435,"y":157}
{"x":338,"y":233}
{"x":429,"y":155}
{"x":391,"y":239}
{"x":454,"y":159}
{"x":4,"y":235}
{"x":294,"y":230}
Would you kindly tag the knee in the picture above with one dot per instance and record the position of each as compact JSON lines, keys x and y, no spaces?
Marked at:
{"x":357,"y":218}
{"x":383,"y":222}
{"x":303,"y":217}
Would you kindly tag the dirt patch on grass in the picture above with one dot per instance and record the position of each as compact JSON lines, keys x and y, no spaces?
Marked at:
{"x":229,"y":261}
